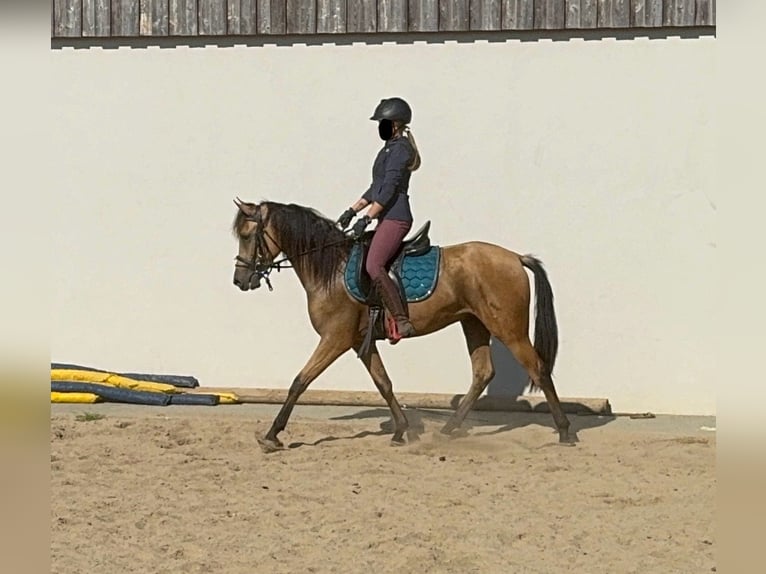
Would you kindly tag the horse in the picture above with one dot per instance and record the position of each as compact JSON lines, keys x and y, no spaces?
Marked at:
{"x":481,"y":285}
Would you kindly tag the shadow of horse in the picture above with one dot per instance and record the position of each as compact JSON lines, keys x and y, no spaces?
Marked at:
{"x":509,"y":382}
{"x":477,"y":423}
{"x":333,"y":438}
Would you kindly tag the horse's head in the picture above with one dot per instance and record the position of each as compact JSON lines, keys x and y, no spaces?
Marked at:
{"x":257,"y":247}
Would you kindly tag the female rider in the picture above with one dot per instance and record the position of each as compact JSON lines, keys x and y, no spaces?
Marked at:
{"x":387,"y":201}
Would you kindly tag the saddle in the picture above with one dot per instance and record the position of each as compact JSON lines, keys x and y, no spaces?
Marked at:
{"x":414,"y":270}
{"x":418,"y":244}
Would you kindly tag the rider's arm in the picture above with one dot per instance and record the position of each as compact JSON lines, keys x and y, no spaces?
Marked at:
{"x":374,"y":210}
{"x":360,"y":204}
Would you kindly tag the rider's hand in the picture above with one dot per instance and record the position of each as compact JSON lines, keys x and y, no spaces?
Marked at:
{"x":345,"y":219}
{"x":358,"y":230}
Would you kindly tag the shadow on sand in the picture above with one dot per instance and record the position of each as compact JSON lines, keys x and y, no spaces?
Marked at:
{"x":476,"y":424}
{"x":508,"y":384}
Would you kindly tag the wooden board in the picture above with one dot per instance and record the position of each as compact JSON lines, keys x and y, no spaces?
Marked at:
{"x":679,"y":12}
{"x":233,"y":17}
{"x":125,"y":17}
{"x":454,"y":15}
{"x":486,"y":14}
{"x":272,"y":16}
{"x":67,"y":18}
{"x":685,"y":12}
{"x":301,"y":17}
{"x":248,"y":17}
{"x":153,"y":18}
{"x":96,"y":18}
{"x":573,"y":14}
{"x":518,"y":15}
{"x":331,"y":16}
{"x":705,"y":13}
{"x":614,"y":13}
{"x":581,"y":14}
{"x":550,"y":14}
{"x":424,"y":15}
{"x":653,"y":10}
{"x":182,"y":17}
{"x":212,"y":19}
{"x":392,"y":15}
{"x":362,"y":16}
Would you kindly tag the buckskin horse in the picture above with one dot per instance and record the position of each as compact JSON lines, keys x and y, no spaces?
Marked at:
{"x":481,"y":285}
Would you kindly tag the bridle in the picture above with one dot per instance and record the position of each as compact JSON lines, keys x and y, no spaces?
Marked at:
{"x":262,"y":264}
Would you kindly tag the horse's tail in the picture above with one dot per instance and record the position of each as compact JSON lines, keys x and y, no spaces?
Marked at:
{"x":546,"y":329}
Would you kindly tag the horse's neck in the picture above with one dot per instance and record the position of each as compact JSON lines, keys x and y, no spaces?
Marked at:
{"x":303,"y":275}
{"x":309,"y":283}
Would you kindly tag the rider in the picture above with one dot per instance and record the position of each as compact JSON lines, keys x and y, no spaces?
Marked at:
{"x":388,"y":202}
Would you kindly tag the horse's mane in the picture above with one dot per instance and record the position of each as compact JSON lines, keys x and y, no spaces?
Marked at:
{"x":312,"y":242}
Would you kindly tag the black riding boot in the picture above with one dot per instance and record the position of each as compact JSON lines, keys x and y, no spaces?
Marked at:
{"x":389,"y":295}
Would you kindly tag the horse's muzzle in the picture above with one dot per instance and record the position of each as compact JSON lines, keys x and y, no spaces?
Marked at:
{"x":250,"y":281}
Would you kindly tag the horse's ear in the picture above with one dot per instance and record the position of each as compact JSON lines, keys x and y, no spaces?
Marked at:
{"x":246,"y":208}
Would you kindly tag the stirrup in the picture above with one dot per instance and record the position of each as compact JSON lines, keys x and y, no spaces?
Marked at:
{"x":369,"y":336}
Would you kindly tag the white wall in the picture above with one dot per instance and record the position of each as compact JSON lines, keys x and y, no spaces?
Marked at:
{"x":597,"y":156}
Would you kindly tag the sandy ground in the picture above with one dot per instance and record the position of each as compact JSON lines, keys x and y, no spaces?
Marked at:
{"x":186,"y":489}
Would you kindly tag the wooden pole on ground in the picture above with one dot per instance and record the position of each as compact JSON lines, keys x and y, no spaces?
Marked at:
{"x":524,"y":403}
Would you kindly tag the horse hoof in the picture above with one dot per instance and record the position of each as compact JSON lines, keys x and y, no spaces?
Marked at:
{"x":269,"y":445}
{"x":398,"y":441}
{"x":454,"y":433}
{"x":413,"y":436}
{"x":566,"y":439}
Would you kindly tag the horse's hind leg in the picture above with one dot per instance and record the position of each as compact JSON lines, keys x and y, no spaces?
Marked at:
{"x":477,"y":337}
{"x":374,"y":365}
{"x":526,"y":355}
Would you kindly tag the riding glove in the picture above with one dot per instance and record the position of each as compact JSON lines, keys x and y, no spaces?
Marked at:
{"x":361,"y":224}
{"x":345,"y":219}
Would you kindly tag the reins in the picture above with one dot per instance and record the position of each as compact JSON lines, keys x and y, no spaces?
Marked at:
{"x":263,"y":270}
{"x":301,"y":254}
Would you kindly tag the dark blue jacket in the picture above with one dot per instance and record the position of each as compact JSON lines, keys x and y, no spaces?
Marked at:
{"x":391,"y":180}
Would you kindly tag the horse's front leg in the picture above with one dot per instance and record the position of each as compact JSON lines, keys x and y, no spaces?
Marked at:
{"x":328,"y":350}
{"x":374,"y":365}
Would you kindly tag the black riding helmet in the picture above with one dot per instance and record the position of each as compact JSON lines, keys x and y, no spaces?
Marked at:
{"x":393,"y":109}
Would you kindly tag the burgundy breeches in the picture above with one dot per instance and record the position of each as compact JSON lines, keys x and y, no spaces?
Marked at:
{"x":386,"y":240}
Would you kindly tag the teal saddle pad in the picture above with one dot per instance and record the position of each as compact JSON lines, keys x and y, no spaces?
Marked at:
{"x":419,"y":274}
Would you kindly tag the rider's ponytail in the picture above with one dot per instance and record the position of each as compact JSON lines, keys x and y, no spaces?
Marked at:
{"x":415,"y":163}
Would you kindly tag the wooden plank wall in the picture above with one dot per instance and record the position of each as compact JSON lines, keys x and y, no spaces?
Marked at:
{"x":130,"y":18}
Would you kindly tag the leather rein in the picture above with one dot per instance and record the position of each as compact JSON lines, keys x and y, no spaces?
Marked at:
{"x":262,"y":265}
